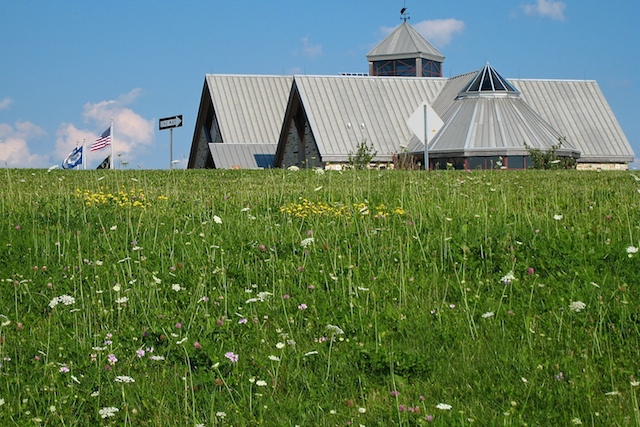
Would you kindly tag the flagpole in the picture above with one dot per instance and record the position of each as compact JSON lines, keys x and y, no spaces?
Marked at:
{"x":84,"y":155}
{"x":112,"y":142}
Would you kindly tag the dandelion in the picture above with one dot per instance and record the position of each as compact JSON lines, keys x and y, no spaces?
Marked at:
{"x":109,"y":411}
{"x":124,"y":379}
{"x":577,"y":306}
{"x":231,"y":356}
{"x":444,"y":406}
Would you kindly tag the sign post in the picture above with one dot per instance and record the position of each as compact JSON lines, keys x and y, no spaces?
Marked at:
{"x":425,"y":124}
{"x":170,"y":123}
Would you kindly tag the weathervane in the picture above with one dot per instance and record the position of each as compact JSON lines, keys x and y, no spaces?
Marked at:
{"x":404,"y":15}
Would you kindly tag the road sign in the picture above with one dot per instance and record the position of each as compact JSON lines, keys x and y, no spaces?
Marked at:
{"x":171,"y":122}
{"x":418,"y":121}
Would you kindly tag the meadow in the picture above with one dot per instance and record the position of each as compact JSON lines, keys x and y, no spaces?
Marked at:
{"x":311,"y":298}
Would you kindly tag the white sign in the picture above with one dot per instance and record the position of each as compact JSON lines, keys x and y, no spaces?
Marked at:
{"x":171,"y":122}
{"x":417,"y":119}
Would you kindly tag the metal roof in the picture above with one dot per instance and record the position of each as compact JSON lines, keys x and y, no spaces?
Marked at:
{"x":344,"y":111}
{"x":578,"y":110}
{"x":249,"y":109}
{"x":404,"y":42}
{"x":243,"y":156}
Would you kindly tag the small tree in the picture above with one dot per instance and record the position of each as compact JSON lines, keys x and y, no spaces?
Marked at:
{"x":550,"y":159}
{"x":362,"y":158}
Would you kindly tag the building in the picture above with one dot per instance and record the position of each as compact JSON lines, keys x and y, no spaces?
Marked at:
{"x":487,"y":120}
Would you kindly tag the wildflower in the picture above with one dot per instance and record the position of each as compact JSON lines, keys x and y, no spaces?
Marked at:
{"x":197,"y":345}
{"x":508,"y":278}
{"x":395,"y":393}
{"x":217,"y":219}
{"x":362,"y":410}
{"x":488,"y":314}
{"x":62,"y":299}
{"x":280,"y":345}
{"x":64,"y":369}
{"x":221,"y":414}
{"x":635,"y":383}
{"x":108,"y":412}
{"x":577,"y":306}
{"x":631,"y":250}
{"x":124,"y":379}
{"x":178,"y":325}
{"x":302,"y":306}
{"x":156,"y":357}
{"x":274,"y":358}
{"x":140,"y":353}
{"x":402,"y":408}
{"x":231,"y":356}
{"x":310,"y":353}
{"x":306,"y":242}
{"x":444,"y":406}
{"x":112,"y":359}
{"x":261,"y":383}
{"x":176,"y":287}
{"x":558,"y":217}
{"x":156,"y":280}
{"x":335,"y":329}
{"x":293,"y":168}
{"x":122,"y":300}
{"x":576,"y":421}
{"x":530,"y":271}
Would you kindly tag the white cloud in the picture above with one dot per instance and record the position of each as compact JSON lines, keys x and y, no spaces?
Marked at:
{"x":14,"y":148}
{"x":310,"y":50}
{"x":5,"y":103}
{"x":440,"y":32}
{"x":546,"y":8}
{"x":132,"y":133}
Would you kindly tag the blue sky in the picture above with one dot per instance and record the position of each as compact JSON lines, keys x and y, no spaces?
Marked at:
{"x":68,"y":67}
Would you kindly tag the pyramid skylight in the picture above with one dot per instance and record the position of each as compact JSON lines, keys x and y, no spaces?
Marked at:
{"x":488,"y":81}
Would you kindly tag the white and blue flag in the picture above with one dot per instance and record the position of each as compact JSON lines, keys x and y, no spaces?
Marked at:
{"x":73,"y":159}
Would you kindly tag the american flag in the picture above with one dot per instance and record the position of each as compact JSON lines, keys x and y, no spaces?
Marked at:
{"x":102,"y":141}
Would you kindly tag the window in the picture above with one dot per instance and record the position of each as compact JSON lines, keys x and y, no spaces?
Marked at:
{"x":405,"y":67}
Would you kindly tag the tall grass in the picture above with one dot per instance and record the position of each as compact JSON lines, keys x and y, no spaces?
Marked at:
{"x":167,"y":298}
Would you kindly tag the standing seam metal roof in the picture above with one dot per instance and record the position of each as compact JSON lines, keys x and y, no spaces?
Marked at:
{"x":404,"y":42}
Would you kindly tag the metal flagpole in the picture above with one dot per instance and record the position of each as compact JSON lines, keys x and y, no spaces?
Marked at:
{"x":112,"y":142}
{"x":84,"y":155}
{"x":171,"y":149}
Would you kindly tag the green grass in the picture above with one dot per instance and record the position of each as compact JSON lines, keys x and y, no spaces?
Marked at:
{"x":355,"y":298}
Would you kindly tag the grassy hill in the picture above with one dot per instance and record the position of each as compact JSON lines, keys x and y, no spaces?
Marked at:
{"x":187,"y":298}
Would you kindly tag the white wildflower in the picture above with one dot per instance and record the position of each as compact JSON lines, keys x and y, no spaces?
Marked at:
{"x":122,"y":300}
{"x":576,"y":421}
{"x":631,"y":250}
{"x":261,"y":383}
{"x":217,"y":219}
{"x":62,"y":299}
{"x":306,"y":242}
{"x":293,"y":168}
{"x":280,"y":345}
{"x":488,"y":314}
{"x":362,"y":410}
{"x":319,"y":171}
{"x":263,"y":296}
{"x":508,"y":278}
{"x":310,"y":353}
{"x":577,"y":306}
{"x":274,"y":358}
{"x":156,"y":357}
{"x":156,"y":280}
{"x":558,"y":217}
{"x":221,"y":414}
{"x":109,"y":411}
{"x":124,"y":379}
{"x":335,"y":329}
{"x":176,"y":287}
{"x":444,"y":406}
